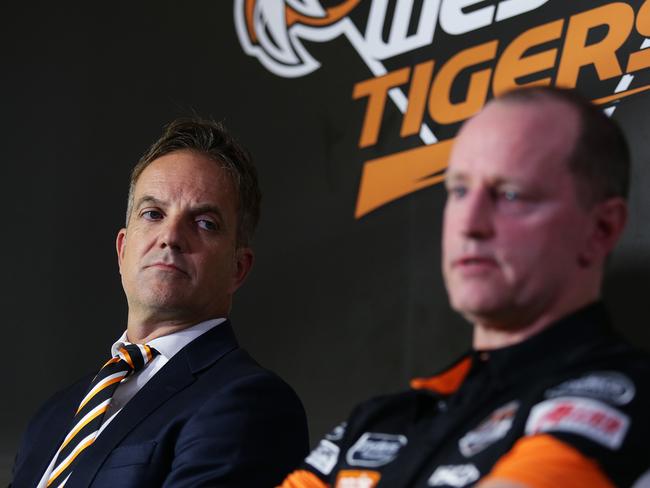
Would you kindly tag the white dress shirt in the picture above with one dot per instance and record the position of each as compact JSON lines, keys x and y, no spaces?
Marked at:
{"x":167,"y":346}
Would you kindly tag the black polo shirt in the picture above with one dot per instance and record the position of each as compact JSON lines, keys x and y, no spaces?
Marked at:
{"x":575,"y":391}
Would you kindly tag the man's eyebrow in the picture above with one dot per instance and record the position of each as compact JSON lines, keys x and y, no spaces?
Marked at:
{"x":208,"y":208}
{"x":455,"y":177}
{"x":150,"y":200}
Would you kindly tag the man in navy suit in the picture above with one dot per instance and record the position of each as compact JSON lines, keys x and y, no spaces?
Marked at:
{"x":201,"y":412}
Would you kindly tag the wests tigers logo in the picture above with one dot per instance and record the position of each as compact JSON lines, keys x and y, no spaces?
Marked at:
{"x":481,"y":49}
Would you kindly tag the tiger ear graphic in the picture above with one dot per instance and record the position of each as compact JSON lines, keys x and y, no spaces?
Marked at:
{"x":269,"y":30}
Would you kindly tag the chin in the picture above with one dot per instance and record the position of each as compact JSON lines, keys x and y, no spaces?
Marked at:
{"x":162,"y":299}
{"x":474,"y":307}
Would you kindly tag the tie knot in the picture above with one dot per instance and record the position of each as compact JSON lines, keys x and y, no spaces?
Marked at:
{"x":136,"y":355}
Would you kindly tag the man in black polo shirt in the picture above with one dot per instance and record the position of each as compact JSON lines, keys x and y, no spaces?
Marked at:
{"x":548,"y":396}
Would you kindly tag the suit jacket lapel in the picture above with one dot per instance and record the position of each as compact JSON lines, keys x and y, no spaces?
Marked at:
{"x":176,"y":375}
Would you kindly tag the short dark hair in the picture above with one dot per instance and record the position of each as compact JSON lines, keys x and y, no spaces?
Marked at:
{"x":600,"y":159}
{"x":213,"y":140}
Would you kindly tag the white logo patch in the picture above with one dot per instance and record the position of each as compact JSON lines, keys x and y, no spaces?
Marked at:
{"x":324,"y":457}
{"x":492,"y":429}
{"x":375,"y":449}
{"x":609,"y":386}
{"x":454,"y":475}
{"x":589,"y":418}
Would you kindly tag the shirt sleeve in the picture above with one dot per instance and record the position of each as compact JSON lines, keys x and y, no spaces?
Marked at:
{"x":591,"y":429}
{"x":542,"y":461}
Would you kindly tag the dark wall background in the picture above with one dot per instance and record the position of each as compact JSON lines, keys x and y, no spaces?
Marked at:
{"x":342,"y":308}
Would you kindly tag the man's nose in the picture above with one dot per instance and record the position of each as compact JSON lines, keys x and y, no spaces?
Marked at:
{"x":173,"y":234}
{"x":478,"y":214}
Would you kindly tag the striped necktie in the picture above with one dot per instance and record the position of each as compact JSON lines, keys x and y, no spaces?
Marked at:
{"x":130,"y":359}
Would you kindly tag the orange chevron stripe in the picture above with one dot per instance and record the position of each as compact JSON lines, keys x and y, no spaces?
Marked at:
{"x":76,"y":430}
{"x":127,"y":357}
{"x":88,"y":398}
{"x":110,"y":361}
{"x":149,"y":354}
{"x":62,"y":468}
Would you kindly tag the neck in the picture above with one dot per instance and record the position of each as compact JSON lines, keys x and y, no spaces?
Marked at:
{"x":142,"y":329}
{"x":490,"y":334}
{"x":141,"y":334}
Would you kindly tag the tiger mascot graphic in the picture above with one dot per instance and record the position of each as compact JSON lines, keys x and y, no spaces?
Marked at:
{"x":271,"y":30}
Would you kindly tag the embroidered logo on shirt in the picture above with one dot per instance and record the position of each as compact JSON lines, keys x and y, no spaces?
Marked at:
{"x":324,"y":457}
{"x":610,"y":386}
{"x":492,"y":429}
{"x":349,"y":478}
{"x":582,"y":416}
{"x":375,"y":449}
{"x":337,"y":432}
{"x":454,"y":475}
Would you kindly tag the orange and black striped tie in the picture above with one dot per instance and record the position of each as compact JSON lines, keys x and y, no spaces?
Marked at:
{"x":131,"y":358}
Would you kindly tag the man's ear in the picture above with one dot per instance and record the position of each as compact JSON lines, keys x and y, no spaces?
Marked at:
{"x":244,"y":258}
{"x":609,"y":219}
{"x":120,"y":242}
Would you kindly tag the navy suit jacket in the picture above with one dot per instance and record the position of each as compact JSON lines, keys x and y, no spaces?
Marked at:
{"x":210,"y":417}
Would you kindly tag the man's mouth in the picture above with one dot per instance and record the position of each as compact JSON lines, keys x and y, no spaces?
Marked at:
{"x":474,"y":263}
{"x":168,"y":267}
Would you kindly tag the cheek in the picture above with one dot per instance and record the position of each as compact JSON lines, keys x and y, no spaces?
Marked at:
{"x":218,"y":263}
{"x":521,"y":249}
{"x":448,"y":236}
{"x":537,"y":251}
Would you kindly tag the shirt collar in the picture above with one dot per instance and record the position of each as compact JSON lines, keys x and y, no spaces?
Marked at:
{"x":548,"y":350}
{"x":168,"y":345}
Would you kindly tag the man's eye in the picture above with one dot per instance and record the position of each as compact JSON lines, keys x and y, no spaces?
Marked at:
{"x":509,"y":195}
{"x":457,"y":191}
{"x":207,"y":224}
{"x":152,"y":215}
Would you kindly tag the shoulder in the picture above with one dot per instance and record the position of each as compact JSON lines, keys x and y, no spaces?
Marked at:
{"x":221,"y":367}
{"x":248,"y":415}
{"x":600,"y":409}
{"x":391,"y":413}
{"x":613,"y":372}
{"x":238,"y":372}
{"x":238,"y":391}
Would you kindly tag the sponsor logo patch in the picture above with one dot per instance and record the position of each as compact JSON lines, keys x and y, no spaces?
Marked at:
{"x":349,"y":478}
{"x":492,"y":429}
{"x":608,"y":386}
{"x":454,"y":475}
{"x":324,"y":457}
{"x":375,"y":449}
{"x":582,"y":416}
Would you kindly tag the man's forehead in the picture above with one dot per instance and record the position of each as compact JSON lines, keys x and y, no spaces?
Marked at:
{"x":186,"y":175}
{"x":535,"y":119}
{"x":513,"y":137}
{"x":184,"y":171}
